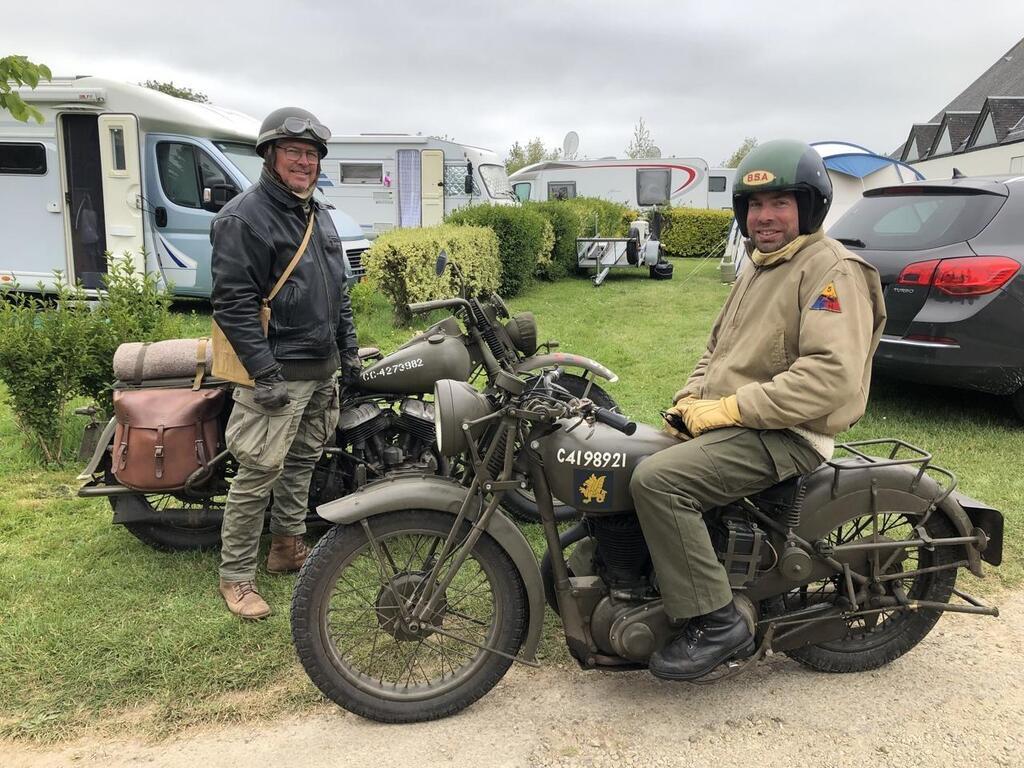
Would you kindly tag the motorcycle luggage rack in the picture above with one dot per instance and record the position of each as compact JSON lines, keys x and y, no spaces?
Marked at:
{"x":918,"y":457}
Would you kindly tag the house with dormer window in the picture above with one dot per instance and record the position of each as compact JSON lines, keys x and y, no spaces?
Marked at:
{"x":980,"y":132}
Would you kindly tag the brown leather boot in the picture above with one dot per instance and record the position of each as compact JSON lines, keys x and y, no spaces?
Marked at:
{"x":243,"y":600}
{"x":287,"y":554}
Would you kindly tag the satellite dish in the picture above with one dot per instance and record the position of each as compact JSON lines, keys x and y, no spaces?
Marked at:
{"x":570,"y":144}
{"x":655,"y":151}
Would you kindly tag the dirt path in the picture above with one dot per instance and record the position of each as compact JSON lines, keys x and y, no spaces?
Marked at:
{"x":957,"y":699}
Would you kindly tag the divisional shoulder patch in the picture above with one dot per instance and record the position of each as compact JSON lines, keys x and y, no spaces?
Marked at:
{"x":828,"y":300}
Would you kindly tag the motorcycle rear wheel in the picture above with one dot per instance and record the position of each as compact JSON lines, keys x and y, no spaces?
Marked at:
{"x":521,"y":505}
{"x":168,"y":537}
{"x":350,"y":637}
{"x":872,"y":642}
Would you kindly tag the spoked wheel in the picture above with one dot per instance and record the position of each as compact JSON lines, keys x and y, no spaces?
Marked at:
{"x":878,"y":638}
{"x":354,"y":636}
{"x":198,"y":533}
{"x":521,"y":504}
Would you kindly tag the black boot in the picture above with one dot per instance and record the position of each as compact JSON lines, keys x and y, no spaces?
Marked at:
{"x":705,"y":642}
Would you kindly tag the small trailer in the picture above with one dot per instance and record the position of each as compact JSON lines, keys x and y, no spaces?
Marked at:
{"x":642,"y":248}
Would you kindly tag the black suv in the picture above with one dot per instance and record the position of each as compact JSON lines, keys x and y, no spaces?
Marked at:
{"x":949,"y":254}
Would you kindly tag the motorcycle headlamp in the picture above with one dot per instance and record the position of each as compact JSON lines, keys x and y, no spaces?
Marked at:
{"x":296,"y":126}
{"x":522,"y":330}
{"x":456,"y":402}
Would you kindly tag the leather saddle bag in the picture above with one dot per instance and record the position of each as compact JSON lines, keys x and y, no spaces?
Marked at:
{"x":164,"y":435}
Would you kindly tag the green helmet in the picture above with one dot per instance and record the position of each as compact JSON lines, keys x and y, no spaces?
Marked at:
{"x":784,"y":165}
{"x":292,"y":123}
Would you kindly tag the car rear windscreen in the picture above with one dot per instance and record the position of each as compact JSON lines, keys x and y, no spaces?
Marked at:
{"x":917,"y":221}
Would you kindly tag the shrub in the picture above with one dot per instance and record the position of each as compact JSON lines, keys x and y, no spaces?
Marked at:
{"x":54,"y":348}
{"x":694,"y":231}
{"x":601,"y":218}
{"x":574,"y":218}
{"x":521,"y":240}
{"x":401,"y":263}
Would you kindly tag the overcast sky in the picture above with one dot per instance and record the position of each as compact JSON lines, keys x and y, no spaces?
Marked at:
{"x":702,"y":75}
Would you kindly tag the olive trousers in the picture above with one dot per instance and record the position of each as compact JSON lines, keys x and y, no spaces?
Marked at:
{"x":673,"y":487}
{"x":276,"y":450}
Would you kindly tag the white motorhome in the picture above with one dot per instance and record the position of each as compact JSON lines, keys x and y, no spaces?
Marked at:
{"x":679,"y":181}
{"x":122,"y":168}
{"x":385,"y":181}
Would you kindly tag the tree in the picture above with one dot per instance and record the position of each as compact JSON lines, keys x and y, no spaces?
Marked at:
{"x":641,"y":146}
{"x":737,"y":157}
{"x":16,"y":71}
{"x":179,"y":92}
{"x":534,"y":152}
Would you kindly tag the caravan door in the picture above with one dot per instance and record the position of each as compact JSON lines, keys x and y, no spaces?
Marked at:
{"x":432,"y":184}
{"x":122,"y":187}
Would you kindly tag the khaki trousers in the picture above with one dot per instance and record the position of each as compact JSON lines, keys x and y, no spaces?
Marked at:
{"x":673,"y":487}
{"x":276,"y":450}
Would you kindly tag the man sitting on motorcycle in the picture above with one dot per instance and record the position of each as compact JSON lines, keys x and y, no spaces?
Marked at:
{"x":787,"y":367}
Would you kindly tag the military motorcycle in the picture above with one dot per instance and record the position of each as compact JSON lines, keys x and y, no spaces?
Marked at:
{"x":386,"y":424}
{"x":424,"y":594}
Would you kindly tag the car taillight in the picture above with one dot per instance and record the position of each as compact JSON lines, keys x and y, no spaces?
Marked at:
{"x":965,"y":276}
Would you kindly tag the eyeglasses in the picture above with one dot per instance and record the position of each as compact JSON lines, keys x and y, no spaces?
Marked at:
{"x":295,"y":153}
{"x":296,"y":126}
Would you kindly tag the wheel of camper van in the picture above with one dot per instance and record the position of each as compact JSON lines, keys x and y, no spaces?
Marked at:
{"x":874,"y":640}
{"x":351,"y":629}
{"x":521,"y":504}
{"x":167,"y":537}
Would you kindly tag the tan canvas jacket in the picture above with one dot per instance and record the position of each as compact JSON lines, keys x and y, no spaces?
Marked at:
{"x":794,"y":341}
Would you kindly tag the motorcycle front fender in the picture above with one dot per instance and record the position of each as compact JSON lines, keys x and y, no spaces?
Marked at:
{"x":102,"y":443}
{"x":539,"y":362}
{"x":443,"y":495}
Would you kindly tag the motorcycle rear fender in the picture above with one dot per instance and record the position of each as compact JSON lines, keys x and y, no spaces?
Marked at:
{"x":441,"y":495}
{"x":538,"y":362}
{"x":101,"y":447}
{"x":986,"y":518}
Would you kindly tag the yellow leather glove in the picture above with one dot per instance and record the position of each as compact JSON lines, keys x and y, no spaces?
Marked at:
{"x":677,"y":410}
{"x":702,"y":416}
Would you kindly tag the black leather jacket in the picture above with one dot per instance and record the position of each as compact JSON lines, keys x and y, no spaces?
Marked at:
{"x":254,"y":238}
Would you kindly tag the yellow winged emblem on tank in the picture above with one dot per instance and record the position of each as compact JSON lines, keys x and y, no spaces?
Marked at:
{"x":593,"y":489}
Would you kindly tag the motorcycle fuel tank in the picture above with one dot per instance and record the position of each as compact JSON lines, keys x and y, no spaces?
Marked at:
{"x":589,"y":468}
{"x":413,"y":369}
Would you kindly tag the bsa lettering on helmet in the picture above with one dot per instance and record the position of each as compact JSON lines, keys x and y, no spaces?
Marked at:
{"x":784,"y":165}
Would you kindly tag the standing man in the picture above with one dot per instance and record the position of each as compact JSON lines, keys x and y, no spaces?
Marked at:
{"x":787,"y":367}
{"x":278,"y":427}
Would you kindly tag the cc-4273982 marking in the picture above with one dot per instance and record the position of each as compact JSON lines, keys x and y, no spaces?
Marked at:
{"x":581,"y":458}
{"x":387,"y":370}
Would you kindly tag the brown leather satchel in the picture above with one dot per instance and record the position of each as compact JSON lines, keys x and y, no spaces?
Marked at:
{"x":164,"y":435}
{"x":226,"y":364}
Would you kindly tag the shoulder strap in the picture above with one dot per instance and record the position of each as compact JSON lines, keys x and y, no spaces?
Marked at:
{"x":200,"y":363}
{"x":295,"y":260}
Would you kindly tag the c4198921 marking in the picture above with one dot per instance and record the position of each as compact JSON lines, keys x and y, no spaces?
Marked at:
{"x":387,"y":370}
{"x":581,"y":458}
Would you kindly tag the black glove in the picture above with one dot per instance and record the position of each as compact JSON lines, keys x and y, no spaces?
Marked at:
{"x":351,"y":365}
{"x":271,"y":390}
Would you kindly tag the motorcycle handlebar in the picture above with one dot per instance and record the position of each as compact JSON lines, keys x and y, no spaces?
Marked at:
{"x":615,"y":420}
{"x":429,"y":306}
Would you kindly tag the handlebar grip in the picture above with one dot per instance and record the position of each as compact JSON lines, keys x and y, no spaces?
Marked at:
{"x":430,"y":306}
{"x":615,"y":420}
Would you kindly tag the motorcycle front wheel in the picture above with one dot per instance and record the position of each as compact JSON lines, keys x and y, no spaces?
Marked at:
{"x":349,"y":627}
{"x":201,"y":534}
{"x":521,"y":504}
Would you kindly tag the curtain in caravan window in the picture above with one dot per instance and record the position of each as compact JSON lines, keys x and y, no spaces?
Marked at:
{"x":409,"y":187}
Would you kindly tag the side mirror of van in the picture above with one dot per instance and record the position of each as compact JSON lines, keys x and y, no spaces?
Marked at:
{"x":216,"y":196}
{"x":442,"y":262}
{"x":469,"y":177}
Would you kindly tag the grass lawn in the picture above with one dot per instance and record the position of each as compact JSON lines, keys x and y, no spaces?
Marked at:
{"x":98,"y":631}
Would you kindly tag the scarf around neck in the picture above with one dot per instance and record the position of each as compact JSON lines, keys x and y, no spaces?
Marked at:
{"x":786,"y":252}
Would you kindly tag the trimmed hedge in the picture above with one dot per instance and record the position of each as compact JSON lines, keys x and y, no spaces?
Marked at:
{"x":522,"y":234}
{"x":401,"y":263}
{"x":574,"y":218}
{"x":694,"y":231}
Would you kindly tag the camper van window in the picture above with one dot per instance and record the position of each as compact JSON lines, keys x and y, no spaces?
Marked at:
{"x":362,"y":173}
{"x":27,"y":159}
{"x":653,"y":186}
{"x":522,"y":190}
{"x":561,"y":190}
{"x":716,"y":183}
{"x":117,"y":146}
{"x":496,"y":180}
{"x":179,"y":176}
{"x":455,"y":180}
{"x":244,"y":158}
